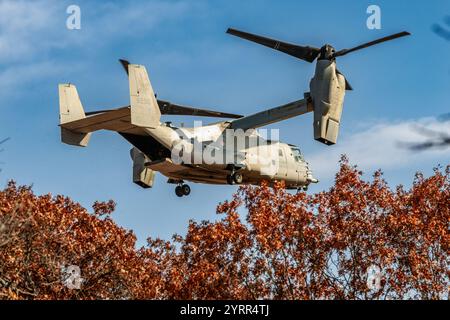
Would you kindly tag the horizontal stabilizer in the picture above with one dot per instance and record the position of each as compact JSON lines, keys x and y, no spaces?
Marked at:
{"x":118,"y":120}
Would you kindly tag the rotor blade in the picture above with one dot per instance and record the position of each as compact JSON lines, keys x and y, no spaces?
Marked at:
{"x":175,"y":109}
{"x":307,"y":53}
{"x":91,"y":113}
{"x":343,"y":52}
{"x":347,"y":84}
{"x":429,"y":145}
{"x":4,"y":140}
{"x":124,"y":64}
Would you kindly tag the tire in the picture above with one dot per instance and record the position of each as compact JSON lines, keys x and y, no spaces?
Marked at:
{"x":186,"y":189}
{"x":230,"y":180}
{"x":179,"y":191}
{"x":238,"y":178}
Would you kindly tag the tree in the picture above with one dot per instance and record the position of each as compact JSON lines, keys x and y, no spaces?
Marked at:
{"x":40,"y":236}
{"x":287,"y":246}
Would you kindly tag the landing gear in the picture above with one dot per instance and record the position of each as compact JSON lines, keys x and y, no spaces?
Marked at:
{"x":182,"y":190}
{"x":186,"y":189}
{"x":304,"y":188}
{"x":178,"y":191}
{"x":235,"y":178}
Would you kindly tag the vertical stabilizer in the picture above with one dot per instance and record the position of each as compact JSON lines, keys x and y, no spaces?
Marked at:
{"x":71,"y":109}
{"x":144,"y":107}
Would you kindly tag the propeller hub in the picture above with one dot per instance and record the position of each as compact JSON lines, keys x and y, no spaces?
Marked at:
{"x":327,"y":53}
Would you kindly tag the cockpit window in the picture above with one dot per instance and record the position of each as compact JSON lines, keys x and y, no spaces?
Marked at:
{"x":297,"y":154}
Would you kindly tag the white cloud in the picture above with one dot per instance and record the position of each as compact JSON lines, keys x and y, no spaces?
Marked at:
{"x":24,"y":28}
{"x":30,"y":31}
{"x":118,"y":20}
{"x":31,"y":28}
{"x":383,"y":146}
{"x":13,"y":78}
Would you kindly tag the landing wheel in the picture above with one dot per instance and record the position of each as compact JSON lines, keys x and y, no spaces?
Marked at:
{"x":179,"y":191}
{"x":235,"y":178}
{"x":186,"y":189}
{"x":304,"y":189}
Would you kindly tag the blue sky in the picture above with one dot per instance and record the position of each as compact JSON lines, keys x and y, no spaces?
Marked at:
{"x":192,"y":61}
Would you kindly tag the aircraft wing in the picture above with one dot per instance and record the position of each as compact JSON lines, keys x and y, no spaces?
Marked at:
{"x":270,"y":116}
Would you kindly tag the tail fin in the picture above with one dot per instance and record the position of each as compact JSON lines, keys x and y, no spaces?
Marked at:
{"x":144,"y":107}
{"x":71,"y":109}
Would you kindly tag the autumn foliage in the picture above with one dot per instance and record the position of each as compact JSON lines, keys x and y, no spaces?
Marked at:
{"x":269,"y":244}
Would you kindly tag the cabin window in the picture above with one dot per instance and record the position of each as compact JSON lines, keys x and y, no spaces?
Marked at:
{"x":297,"y":154}
{"x":280,"y":152}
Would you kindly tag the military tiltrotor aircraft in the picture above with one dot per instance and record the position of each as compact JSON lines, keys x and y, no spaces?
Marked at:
{"x":209,"y":154}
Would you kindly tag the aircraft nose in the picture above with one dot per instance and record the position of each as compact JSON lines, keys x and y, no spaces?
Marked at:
{"x":309,"y":175}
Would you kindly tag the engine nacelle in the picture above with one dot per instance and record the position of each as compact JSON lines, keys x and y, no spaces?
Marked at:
{"x":327,"y":93}
{"x":142,"y":176}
